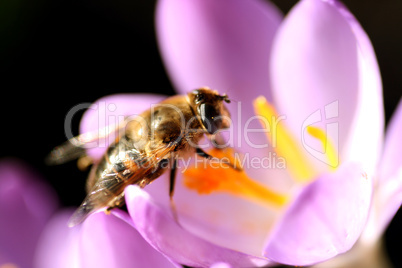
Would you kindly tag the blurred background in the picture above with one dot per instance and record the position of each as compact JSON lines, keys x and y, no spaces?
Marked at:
{"x":56,"y":54}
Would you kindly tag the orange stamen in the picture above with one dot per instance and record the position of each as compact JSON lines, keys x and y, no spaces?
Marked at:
{"x":222,"y":178}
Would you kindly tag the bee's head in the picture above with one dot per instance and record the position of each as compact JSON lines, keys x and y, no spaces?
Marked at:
{"x":210,"y":109}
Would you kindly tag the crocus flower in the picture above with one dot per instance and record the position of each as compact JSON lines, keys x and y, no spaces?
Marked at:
{"x":315,"y":65}
{"x":26,"y":204}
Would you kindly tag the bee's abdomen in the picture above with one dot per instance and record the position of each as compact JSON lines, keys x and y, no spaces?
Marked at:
{"x":115,"y":177}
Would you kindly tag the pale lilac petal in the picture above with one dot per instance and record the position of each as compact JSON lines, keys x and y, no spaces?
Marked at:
{"x":109,"y":111}
{"x":59,"y":244}
{"x":325,"y":74}
{"x":326,"y":218}
{"x":314,"y":63}
{"x":101,"y":241}
{"x":224,"y":45}
{"x":165,"y":235}
{"x":26,"y":204}
{"x":391,"y":160}
{"x":221,"y":265}
{"x":216,"y":217}
{"x":224,"y":218}
{"x":388,"y":191}
{"x":118,"y":244}
{"x":387,"y":200}
{"x":366,"y":133}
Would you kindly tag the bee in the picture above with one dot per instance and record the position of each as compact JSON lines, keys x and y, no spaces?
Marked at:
{"x":149,"y":145}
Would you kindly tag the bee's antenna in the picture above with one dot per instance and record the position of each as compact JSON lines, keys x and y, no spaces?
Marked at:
{"x":225,"y":98}
{"x":234,"y":100}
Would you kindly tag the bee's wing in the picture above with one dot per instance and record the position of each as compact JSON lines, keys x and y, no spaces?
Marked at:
{"x":96,"y":200}
{"x":75,"y":147}
{"x":110,"y":186}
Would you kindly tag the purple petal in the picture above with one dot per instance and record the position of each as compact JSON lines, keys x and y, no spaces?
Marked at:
{"x":165,"y":235}
{"x":221,"y":265}
{"x":59,"y":244}
{"x":220,"y":218}
{"x":101,"y":241}
{"x":110,"y":110}
{"x":369,"y":116}
{"x":391,"y":160}
{"x":388,"y":191}
{"x":324,"y":71}
{"x":224,"y":45}
{"x":26,"y":204}
{"x":119,"y":244}
{"x":326,"y":219}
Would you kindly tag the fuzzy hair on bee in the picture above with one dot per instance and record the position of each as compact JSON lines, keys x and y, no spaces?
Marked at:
{"x":148,"y":146}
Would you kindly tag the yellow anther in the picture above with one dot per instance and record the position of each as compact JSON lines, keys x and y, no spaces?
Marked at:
{"x":284,"y":143}
{"x":221,"y":178}
{"x":329,"y":148}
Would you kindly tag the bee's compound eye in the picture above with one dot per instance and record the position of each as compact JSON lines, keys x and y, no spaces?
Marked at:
{"x":210,"y":117}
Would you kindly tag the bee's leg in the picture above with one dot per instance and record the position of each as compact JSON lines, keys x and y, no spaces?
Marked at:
{"x":201,"y":153}
{"x":219,"y":143}
{"x":107,"y":211}
{"x":84,"y":162}
{"x":172,"y":180}
{"x":118,"y":201}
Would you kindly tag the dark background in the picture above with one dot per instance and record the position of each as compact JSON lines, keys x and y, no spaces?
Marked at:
{"x":55,"y":54}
